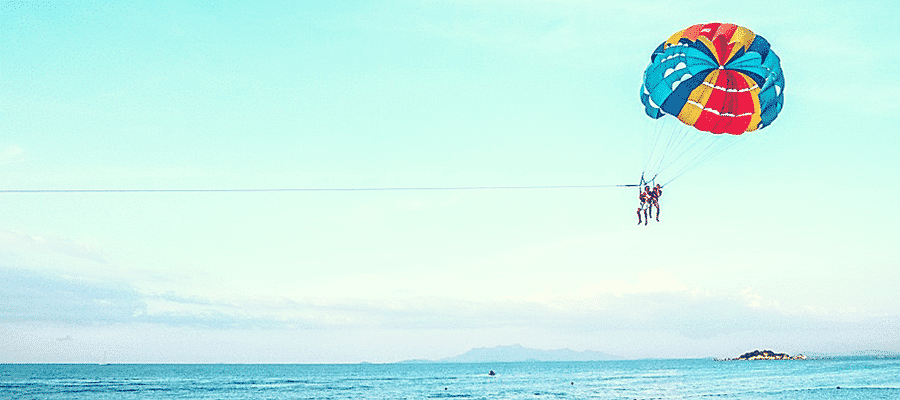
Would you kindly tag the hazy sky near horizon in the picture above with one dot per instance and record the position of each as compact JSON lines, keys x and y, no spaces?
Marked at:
{"x":786,"y":241}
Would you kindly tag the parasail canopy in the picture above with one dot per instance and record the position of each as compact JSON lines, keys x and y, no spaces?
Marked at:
{"x":717,"y":78}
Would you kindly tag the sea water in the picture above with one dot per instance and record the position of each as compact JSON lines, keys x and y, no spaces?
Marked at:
{"x":841,"y":378}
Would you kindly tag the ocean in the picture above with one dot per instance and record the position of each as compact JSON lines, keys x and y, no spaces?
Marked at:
{"x":838,"y":378}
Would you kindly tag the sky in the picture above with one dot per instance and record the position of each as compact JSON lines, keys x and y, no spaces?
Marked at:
{"x":785,"y":241}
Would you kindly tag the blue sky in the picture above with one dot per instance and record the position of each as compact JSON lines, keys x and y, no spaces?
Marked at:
{"x":785,"y":241}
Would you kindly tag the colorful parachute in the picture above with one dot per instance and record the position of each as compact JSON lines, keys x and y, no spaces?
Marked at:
{"x":714,"y":78}
{"x":718,"y":78}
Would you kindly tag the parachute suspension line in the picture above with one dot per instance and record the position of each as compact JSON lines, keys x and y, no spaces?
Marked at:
{"x":654,"y":131}
{"x":651,"y":182}
{"x":685,"y":135}
{"x":652,"y":144}
{"x":660,"y":140}
{"x":673,"y":149}
{"x":663,"y":153}
{"x":674,"y":135}
{"x":693,"y":163}
{"x":718,"y":146}
{"x":715,"y":146}
{"x":671,"y":154}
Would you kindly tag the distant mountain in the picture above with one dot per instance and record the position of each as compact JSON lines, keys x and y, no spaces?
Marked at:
{"x":518,"y":353}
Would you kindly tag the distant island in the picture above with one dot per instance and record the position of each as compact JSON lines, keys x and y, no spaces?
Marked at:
{"x":765,"y":355}
{"x":519,"y":353}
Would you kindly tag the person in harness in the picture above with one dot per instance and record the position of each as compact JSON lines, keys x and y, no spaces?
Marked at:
{"x":655,"y":194}
{"x":644,"y":208}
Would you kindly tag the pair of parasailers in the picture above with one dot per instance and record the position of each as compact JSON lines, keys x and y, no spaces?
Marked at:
{"x":649,"y":198}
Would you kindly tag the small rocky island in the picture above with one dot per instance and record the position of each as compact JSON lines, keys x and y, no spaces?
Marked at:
{"x":765,"y":355}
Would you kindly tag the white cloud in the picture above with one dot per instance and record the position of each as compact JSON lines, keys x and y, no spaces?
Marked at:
{"x":753,"y":300}
{"x":18,"y":243}
{"x":656,"y":303}
{"x":11,"y":155}
{"x":651,"y":281}
{"x":657,"y":280}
